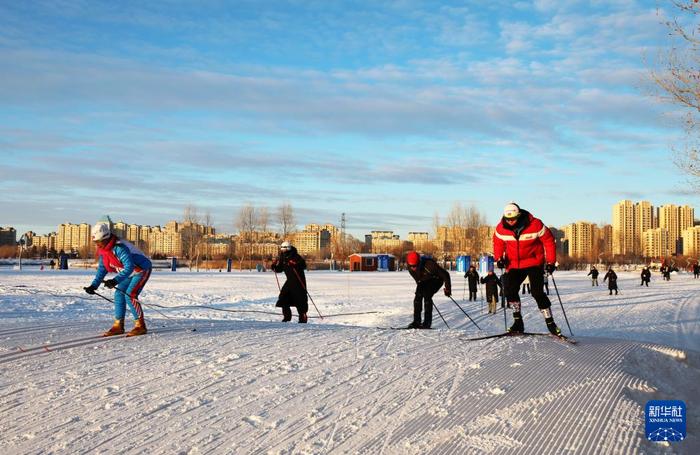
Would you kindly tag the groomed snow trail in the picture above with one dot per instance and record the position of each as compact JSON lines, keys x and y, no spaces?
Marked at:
{"x":246,"y":387}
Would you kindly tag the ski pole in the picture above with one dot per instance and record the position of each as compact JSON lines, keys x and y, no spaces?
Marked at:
{"x":278,"y":281}
{"x":438,"y":312}
{"x":106,"y":298}
{"x":465,"y":313}
{"x":562,"y":305}
{"x":503,"y":300}
{"x":307,"y":291}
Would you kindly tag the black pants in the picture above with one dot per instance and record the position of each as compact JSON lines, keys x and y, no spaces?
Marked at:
{"x":472,"y":294}
{"x":515,"y":279}
{"x":424,"y":293}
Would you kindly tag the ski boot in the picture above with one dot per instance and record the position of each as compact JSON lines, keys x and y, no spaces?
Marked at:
{"x":552,"y":327}
{"x":303,"y":318}
{"x":518,"y":326}
{"x":116,"y":329}
{"x":287,"y":314}
{"x":414,"y":325}
{"x":139,"y":328}
{"x":425,"y":325}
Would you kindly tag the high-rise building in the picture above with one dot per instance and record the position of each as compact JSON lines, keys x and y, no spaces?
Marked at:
{"x":73,"y":237}
{"x":630,"y":221}
{"x":623,"y":227}
{"x":676,"y":219}
{"x":580,"y":237}
{"x":691,"y":241}
{"x":657,"y":243}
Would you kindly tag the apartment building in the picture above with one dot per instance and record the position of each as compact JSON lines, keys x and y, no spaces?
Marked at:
{"x":657,"y":243}
{"x":580,"y":237}
{"x":73,"y":237}
{"x":691,"y":241}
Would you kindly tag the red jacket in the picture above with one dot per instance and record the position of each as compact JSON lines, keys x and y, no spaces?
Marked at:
{"x":526,"y":244}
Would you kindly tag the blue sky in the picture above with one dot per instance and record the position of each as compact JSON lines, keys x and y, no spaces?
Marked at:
{"x":387,"y":111}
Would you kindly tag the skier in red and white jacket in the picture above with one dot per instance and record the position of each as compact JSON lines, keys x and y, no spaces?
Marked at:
{"x":523,"y":244}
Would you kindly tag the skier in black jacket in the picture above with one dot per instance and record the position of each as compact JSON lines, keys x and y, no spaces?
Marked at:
{"x":594,"y":276}
{"x":492,"y":284}
{"x":696,"y":270}
{"x":473,"y":276}
{"x":429,"y":278}
{"x":293,"y":292}
{"x":611,"y":278}
{"x":646,"y":276}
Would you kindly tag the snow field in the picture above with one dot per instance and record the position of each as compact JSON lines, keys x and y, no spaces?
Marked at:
{"x":244,"y":383}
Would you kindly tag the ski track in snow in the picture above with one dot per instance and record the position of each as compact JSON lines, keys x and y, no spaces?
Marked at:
{"x":244,"y":383}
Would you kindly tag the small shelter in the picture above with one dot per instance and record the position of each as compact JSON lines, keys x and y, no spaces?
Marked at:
{"x":364,"y":262}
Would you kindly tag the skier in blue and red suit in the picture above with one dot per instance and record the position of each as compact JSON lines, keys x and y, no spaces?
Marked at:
{"x":523,"y":244}
{"x":133,"y":269}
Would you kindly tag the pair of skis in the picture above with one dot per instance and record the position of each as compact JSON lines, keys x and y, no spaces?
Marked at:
{"x":517,"y":334}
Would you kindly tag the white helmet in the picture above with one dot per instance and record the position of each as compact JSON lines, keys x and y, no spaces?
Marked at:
{"x":100,"y":231}
{"x":511,"y":210}
{"x":285,"y":245}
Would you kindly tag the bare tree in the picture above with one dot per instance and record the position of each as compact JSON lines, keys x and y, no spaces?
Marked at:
{"x":285,"y":217}
{"x":263,"y":219}
{"x":247,"y":223}
{"x":474,"y":221}
{"x":191,"y":234}
{"x":679,"y":82}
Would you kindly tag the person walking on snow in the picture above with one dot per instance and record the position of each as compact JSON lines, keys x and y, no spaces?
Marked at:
{"x":293,"y":292}
{"x":133,"y":269}
{"x":523,"y":244}
{"x":492,"y":284}
{"x":696,"y":270}
{"x":611,"y":278}
{"x":646,"y":276}
{"x":429,"y":277}
{"x":546,"y":283}
{"x":473,"y":277}
{"x":594,"y":275}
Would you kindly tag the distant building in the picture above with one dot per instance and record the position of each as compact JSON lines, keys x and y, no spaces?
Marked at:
{"x":365,"y":262}
{"x":691,"y":242}
{"x":8,"y":236}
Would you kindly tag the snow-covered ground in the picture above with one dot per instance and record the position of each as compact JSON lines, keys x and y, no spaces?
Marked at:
{"x":208,"y":381}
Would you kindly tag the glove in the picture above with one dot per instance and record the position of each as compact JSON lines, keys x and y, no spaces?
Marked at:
{"x":292,"y":262}
{"x":90,"y":289}
{"x":465,"y":276}
{"x":111,"y":283}
{"x":501,"y":264}
{"x":550,"y":268}
{"x":448,"y":292}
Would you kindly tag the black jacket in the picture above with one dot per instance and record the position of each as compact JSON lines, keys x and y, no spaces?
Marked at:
{"x":492,"y":283}
{"x":473,"y":276}
{"x":646,"y":274}
{"x":593,"y":273}
{"x":428,"y":270}
{"x":611,"y":277}
{"x":293,"y":291}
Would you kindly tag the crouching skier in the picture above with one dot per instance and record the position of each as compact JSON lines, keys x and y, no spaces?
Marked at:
{"x":133,"y":269}
{"x":293,"y":292}
{"x":429,"y":278}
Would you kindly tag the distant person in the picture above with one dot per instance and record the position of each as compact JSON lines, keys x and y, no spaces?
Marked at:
{"x":696,"y":270}
{"x":133,"y":269}
{"x":525,"y":246}
{"x":665,"y":272}
{"x":492,"y":285}
{"x":429,"y":277}
{"x":646,"y":276}
{"x":526,"y":286}
{"x":611,"y":278}
{"x":62,"y":260}
{"x":293,"y":292}
{"x":594,"y":275}
{"x":472,"y":276}
{"x":52,"y":264}
{"x":546,"y":283}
